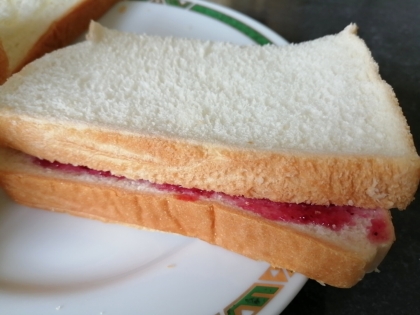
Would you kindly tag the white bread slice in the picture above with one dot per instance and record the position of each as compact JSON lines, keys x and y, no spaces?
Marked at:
{"x":310,"y":123}
{"x":339,"y":258}
{"x":31,"y":28}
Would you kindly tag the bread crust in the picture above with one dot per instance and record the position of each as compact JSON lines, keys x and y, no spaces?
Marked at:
{"x":231,"y":228}
{"x":66,"y":29}
{"x":363,"y":181}
{"x":4,"y":65}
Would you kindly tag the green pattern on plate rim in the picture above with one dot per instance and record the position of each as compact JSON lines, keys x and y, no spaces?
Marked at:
{"x":222,"y":17}
{"x":253,"y":300}
{"x":258,"y":295}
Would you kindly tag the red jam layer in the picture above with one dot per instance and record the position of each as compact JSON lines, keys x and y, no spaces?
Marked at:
{"x":332,"y":217}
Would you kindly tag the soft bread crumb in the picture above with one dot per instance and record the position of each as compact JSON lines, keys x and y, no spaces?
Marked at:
{"x":95,"y":33}
{"x":351,"y":28}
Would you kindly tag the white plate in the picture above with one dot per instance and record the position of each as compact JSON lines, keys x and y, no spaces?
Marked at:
{"x":58,"y":264}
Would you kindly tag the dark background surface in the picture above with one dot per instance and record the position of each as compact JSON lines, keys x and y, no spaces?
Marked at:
{"x":391,"y":29}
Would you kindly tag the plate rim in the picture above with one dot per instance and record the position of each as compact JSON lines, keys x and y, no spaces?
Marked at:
{"x":270,"y":36}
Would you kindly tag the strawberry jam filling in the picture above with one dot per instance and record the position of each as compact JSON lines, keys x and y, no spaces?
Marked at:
{"x":332,"y":217}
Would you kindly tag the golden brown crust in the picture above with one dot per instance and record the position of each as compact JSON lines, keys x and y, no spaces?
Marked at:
{"x":4,"y":65}
{"x":363,"y":181}
{"x":66,"y":29}
{"x":233,"y":229}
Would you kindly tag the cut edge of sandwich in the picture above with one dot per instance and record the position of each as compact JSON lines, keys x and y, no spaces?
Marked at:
{"x":339,"y":259}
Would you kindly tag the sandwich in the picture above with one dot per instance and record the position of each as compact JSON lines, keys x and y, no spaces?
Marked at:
{"x":292,"y":155}
{"x":29,"y":29}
